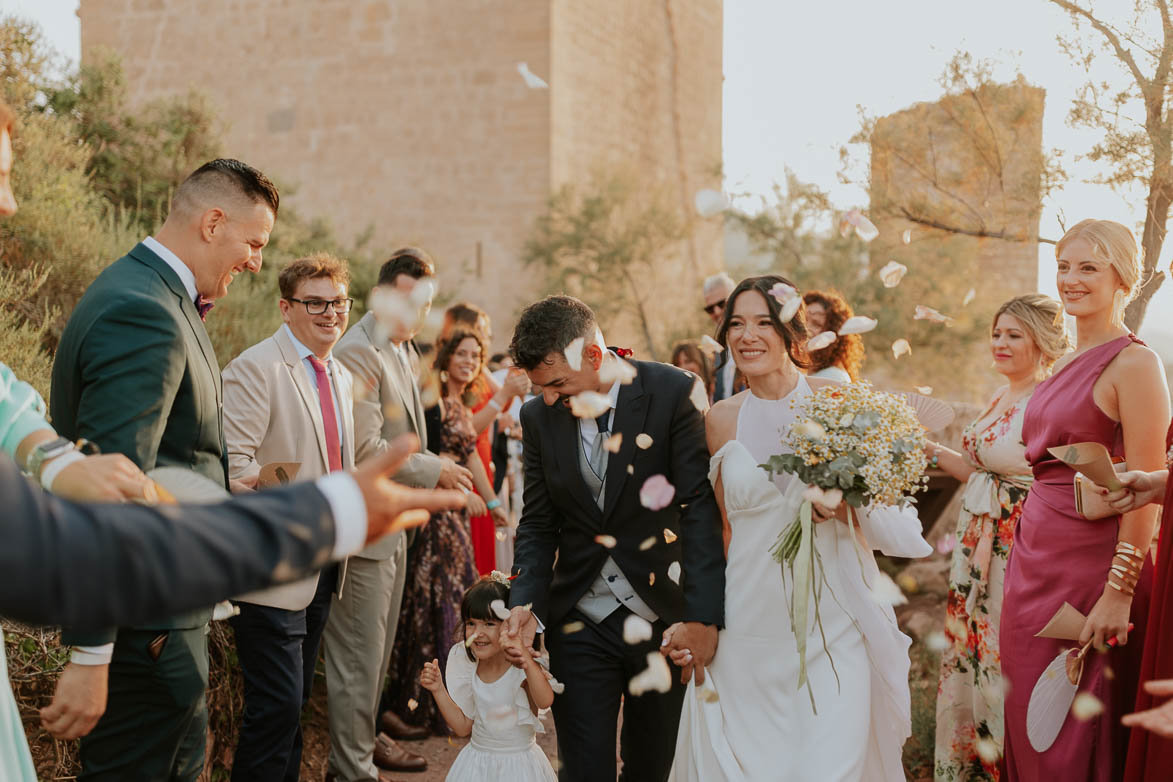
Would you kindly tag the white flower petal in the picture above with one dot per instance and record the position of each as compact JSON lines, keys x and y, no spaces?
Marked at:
{"x":499,"y":609}
{"x":613,"y":443}
{"x":532,"y":80}
{"x":859,"y":324}
{"x":928,"y":313}
{"x":606,"y":541}
{"x":710,"y":346}
{"x":573,"y":354}
{"x":925,"y":390}
{"x":674,"y":572}
{"x":906,"y":237}
{"x":970,"y":295}
{"x":657,"y":677}
{"x":636,"y":630}
{"x":1085,"y":706}
{"x":699,"y":397}
{"x":901,"y":348}
{"x":790,"y":309}
{"x":613,"y":369}
{"x":669,"y":536}
{"x":589,"y":404}
{"x":824,"y":339}
{"x":647,"y":543}
{"x":885,"y":592}
{"x":892,"y":274}
{"x":811,"y":430}
{"x":412,"y":704}
{"x":643,"y":441}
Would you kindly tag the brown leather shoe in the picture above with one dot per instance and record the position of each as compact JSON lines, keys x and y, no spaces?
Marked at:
{"x":391,"y":756}
{"x":396,"y":728}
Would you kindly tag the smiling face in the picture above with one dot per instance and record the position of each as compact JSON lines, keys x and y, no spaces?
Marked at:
{"x":234,"y":243}
{"x":321,"y":332}
{"x":485,"y":635}
{"x":465,"y":363}
{"x":756,"y":346}
{"x":1087,"y":285}
{"x":816,"y":318}
{"x":557,"y":382}
{"x":1015,"y":352}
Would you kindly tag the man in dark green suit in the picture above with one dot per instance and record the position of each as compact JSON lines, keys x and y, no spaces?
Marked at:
{"x":135,"y":373}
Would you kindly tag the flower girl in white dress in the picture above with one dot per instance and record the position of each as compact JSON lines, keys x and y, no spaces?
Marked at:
{"x":489,"y":698}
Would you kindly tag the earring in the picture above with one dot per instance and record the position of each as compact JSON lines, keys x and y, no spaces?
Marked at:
{"x":443,"y":375}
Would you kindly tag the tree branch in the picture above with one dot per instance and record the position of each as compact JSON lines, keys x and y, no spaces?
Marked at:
{"x":1124,"y":55}
{"x":981,"y":233}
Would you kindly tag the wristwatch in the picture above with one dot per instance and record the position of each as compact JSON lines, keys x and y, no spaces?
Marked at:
{"x":45,"y":451}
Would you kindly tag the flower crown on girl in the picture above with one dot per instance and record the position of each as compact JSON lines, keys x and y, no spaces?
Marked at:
{"x":501,"y":578}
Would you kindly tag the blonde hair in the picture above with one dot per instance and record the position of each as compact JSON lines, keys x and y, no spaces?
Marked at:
{"x":1115,"y":244}
{"x":1042,"y":317}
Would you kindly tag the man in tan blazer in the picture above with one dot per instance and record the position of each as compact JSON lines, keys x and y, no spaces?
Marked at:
{"x":361,"y":629}
{"x":286,"y":399}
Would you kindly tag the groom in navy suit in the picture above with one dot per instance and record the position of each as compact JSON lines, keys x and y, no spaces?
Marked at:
{"x":591,"y":559}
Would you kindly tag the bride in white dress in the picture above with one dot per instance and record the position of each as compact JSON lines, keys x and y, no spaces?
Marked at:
{"x":757,"y":724}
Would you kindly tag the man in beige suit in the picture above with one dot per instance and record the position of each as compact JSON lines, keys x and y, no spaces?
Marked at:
{"x":286,"y":399}
{"x":361,"y":629}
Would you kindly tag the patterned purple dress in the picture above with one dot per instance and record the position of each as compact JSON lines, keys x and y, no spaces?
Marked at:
{"x":1060,"y":556}
{"x":440,"y":567}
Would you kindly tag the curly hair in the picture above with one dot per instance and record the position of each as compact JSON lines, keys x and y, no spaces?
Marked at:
{"x":447,"y":347}
{"x":547,"y":327}
{"x":846,"y":351}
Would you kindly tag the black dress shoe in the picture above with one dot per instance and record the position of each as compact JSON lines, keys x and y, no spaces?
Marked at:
{"x":396,"y":728}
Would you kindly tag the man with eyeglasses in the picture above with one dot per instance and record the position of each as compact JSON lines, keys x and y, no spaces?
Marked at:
{"x":288,"y":402}
{"x":716,"y":290}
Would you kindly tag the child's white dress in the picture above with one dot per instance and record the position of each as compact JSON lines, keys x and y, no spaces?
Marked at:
{"x":502,"y":745}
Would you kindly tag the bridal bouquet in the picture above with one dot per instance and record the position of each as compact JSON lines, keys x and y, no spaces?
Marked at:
{"x":849,"y":443}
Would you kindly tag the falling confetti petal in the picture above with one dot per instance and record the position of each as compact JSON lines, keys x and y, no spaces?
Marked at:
{"x":469,"y":641}
{"x":412,"y":704}
{"x":1085,"y":706}
{"x":557,"y":686}
{"x":710,"y":203}
{"x":613,"y":369}
{"x":636,"y":630}
{"x":606,"y":541}
{"x":892,"y":274}
{"x":859,"y":324}
{"x":901,"y":348}
{"x":710,"y":346}
{"x":674,"y":572}
{"x":823,"y":339}
{"x":970,"y":295}
{"x":987,"y":750}
{"x":647,"y":543}
{"x":423,"y":292}
{"x":947,"y":543}
{"x":656,"y":493}
{"x":707,"y":694}
{"x":533,"y":81}
{"x":930,"y":314}
{"x":669,"y":536}
{"x":631,"y":469}
{"x":589,"y":404}
{"x":864,"y":228}
{"x":573,"y":354}
{"x":828,"y":498}
{"x":790,"y":309}
{"x":657,"y":677}
{"x":906,"y":237}
{"x":613,"y":443}
{"x":498,"y":608}
{"x":811,"y":430}
{"x":924,"y":390}
{"x":699,"y":397}
{"x":885,"y":592}
{"x":783,"y":292}
{"x":936,"y":642}
{"x":501,"y":535}
{"x":394,"y":310}
{"x":1109,"y":674}
{"x":572,"y":627}
{"x":643,"y":441}
{"x":651,"y":579}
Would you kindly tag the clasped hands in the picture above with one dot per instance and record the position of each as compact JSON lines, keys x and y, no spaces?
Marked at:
{"x":690,"y":646}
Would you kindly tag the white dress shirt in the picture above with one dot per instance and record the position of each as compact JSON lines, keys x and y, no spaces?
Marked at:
{"x":186,"y":275}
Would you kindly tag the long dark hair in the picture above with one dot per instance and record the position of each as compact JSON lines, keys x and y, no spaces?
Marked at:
{"x":692,"y":350}
{"x":793,"y":333}
{"x":444,"y":352}
{"x":477,"y":603}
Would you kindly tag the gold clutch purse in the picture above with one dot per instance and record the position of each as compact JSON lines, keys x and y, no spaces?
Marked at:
{"x":1089,"y":503}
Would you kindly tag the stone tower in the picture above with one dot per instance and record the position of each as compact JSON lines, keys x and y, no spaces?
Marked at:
{"x":411,"y":116}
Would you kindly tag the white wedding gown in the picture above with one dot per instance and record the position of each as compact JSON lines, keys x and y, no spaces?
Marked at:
{"x":760,"y":726}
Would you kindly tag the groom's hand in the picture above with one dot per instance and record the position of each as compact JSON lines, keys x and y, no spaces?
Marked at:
{"x":521,"y":624}
{"x":691,"y":645}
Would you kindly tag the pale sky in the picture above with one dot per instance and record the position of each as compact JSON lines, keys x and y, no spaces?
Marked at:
{"x":796,"y":70}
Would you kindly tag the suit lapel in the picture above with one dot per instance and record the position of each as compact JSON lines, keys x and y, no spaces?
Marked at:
{"x":393,"y":368}
{"x":567,"y":443}
{"x":301,"y":381}
{"x":628,"y":420}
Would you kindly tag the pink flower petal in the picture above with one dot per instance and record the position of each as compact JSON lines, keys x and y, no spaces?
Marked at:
{"x":656,"y":493}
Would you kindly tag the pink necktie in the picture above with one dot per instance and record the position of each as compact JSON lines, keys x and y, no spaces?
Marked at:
{"x":329,"y":421}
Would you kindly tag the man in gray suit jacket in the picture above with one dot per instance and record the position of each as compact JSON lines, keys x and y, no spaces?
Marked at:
{"x":361,"y":629}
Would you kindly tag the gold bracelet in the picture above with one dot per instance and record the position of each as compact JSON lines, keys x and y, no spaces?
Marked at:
{"x":1127,"y":563}
{"x":1128,"y":548}
{"x":1120,"y":589}
{"x":1125,"y":576}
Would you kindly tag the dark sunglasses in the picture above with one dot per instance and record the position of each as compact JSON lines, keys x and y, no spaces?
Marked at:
{"x":717,"y":305}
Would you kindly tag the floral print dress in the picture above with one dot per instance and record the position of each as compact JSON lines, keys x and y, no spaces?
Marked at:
{"x":970,"y":691}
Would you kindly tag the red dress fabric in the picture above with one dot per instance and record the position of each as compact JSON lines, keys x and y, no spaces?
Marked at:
{"x":1150,"y":757}
{"x":1059,"y":556}
{"x":484,"y":534}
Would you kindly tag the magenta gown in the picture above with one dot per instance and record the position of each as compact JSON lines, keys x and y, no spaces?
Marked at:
{"x":1060,"y":556}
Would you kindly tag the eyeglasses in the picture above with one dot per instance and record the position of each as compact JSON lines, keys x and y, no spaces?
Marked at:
{"x":318,"y":306}
{"x":717,"y":305}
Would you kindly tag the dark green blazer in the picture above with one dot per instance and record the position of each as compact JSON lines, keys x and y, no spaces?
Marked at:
{"x":135,"y":373}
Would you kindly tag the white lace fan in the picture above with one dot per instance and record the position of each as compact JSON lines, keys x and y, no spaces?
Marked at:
{"x":933,"y":414}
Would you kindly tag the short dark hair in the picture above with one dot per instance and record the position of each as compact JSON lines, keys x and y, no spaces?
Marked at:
{"x":412,"y":261}
{"x":477,"y":603}
{"x":793,"y":332}
{"x":549,"y":326}
{"x":251,"y":183}
{"x":464,"y":313}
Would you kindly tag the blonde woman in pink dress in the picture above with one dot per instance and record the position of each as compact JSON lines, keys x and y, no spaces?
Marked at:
{"x":1111,"y":389}
{"x":1026,"y":338}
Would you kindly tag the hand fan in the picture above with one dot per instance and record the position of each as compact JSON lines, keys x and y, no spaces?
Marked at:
{"x":933,"y":414}
{"x":1050,"y":701}
{"x":1091,"y":459}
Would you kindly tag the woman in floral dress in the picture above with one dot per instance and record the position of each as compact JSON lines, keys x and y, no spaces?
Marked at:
{"x":1025,"y":342}
{"x":442,"y":565}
